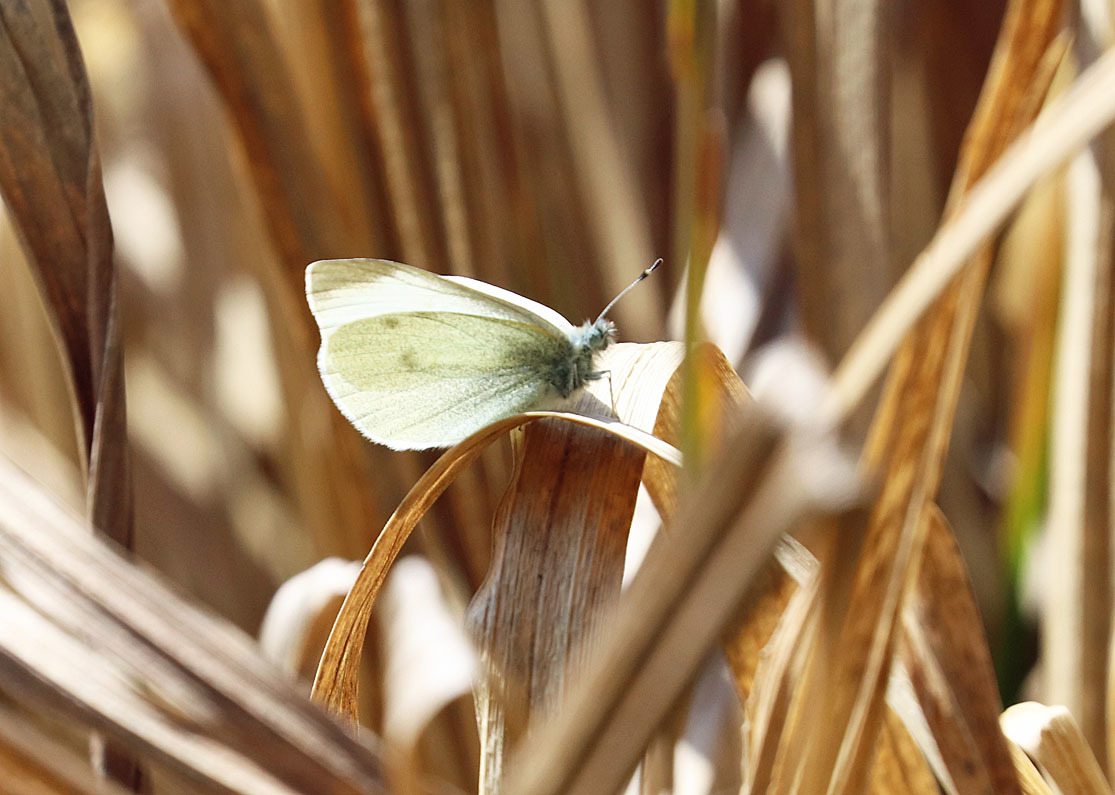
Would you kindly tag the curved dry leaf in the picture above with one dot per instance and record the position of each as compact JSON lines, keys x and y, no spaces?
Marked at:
{"x":1029,"y":777}
{"x":301,"y":613}
{"x":1051,"y":737}
{"x":728,"y":397}
{"x":631,"y":367}
{"x":428,"y":660}
{"x":50,"y":176}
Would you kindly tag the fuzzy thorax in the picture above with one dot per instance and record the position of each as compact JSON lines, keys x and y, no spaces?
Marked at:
{"x":584,"y":343}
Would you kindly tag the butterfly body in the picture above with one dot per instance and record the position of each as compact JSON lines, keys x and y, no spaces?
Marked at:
{"x":416,"y":360}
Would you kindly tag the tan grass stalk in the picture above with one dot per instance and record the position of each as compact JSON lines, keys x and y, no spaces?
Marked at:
{"x":1076,"y":621}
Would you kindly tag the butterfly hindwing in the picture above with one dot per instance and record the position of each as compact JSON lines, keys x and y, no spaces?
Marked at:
{"x":413,"y":380}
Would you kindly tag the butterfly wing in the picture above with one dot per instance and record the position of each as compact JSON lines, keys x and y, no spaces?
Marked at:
{"x":343,"y":290}
{"x":417,"y":380}
{"x":416,"y":360}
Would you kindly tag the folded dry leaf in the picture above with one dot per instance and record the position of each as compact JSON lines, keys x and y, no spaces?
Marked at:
{"x":50,"y":177}
{"x":1052,"y":738}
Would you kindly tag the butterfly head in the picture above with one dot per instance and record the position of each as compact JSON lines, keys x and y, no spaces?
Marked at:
{"x":594,"y":336}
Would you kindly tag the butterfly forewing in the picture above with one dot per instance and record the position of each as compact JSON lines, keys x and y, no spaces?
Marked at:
{"x":342,"y":291}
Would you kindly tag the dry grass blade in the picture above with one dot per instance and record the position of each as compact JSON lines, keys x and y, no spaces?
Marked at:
{"x":50,"y":175}
{"x":684,"y":594}
{"x":1076,"y":623}
{"x":91,"y":634}
{"x":1068,"y":124}
{"x":922,"y":390}
{"x":899,"y":765}
{"x":609,"y":186}
{"x":384,"y":69}
{"x":1029,"y":777}
{"x":306,"y":222}
{"x":838,"y":60}
{"x":248,"y":69}
{"x":1053,"y":739}
{"x":949,"y":662}
{"x":335,"y":684}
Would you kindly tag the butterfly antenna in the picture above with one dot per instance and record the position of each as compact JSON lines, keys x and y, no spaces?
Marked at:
{"x":627,"y":289}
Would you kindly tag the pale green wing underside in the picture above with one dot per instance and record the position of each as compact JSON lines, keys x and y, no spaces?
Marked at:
{"x":416,"y":380}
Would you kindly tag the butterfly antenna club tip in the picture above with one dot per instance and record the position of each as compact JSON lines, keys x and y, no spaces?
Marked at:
{"x":627,"y":289}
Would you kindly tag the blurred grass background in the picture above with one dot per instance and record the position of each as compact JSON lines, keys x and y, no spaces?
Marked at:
{"x":440,"y":134}
{"x":554,"y":149}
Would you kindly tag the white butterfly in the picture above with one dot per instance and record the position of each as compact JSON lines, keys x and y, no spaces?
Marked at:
{"x":415,"y":360}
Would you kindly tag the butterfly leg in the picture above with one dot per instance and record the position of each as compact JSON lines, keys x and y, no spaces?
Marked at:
{"x":595,"y":375}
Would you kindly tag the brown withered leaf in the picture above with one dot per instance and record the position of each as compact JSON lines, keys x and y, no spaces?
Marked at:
{"x":560,"y":537}
{"x":898,"y":765}
{"x":947,"y":656}
{"x":50,"y":176}
{"x":638,"y":375}
{"x":684,"y":594}
{"x":90,"y":634}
